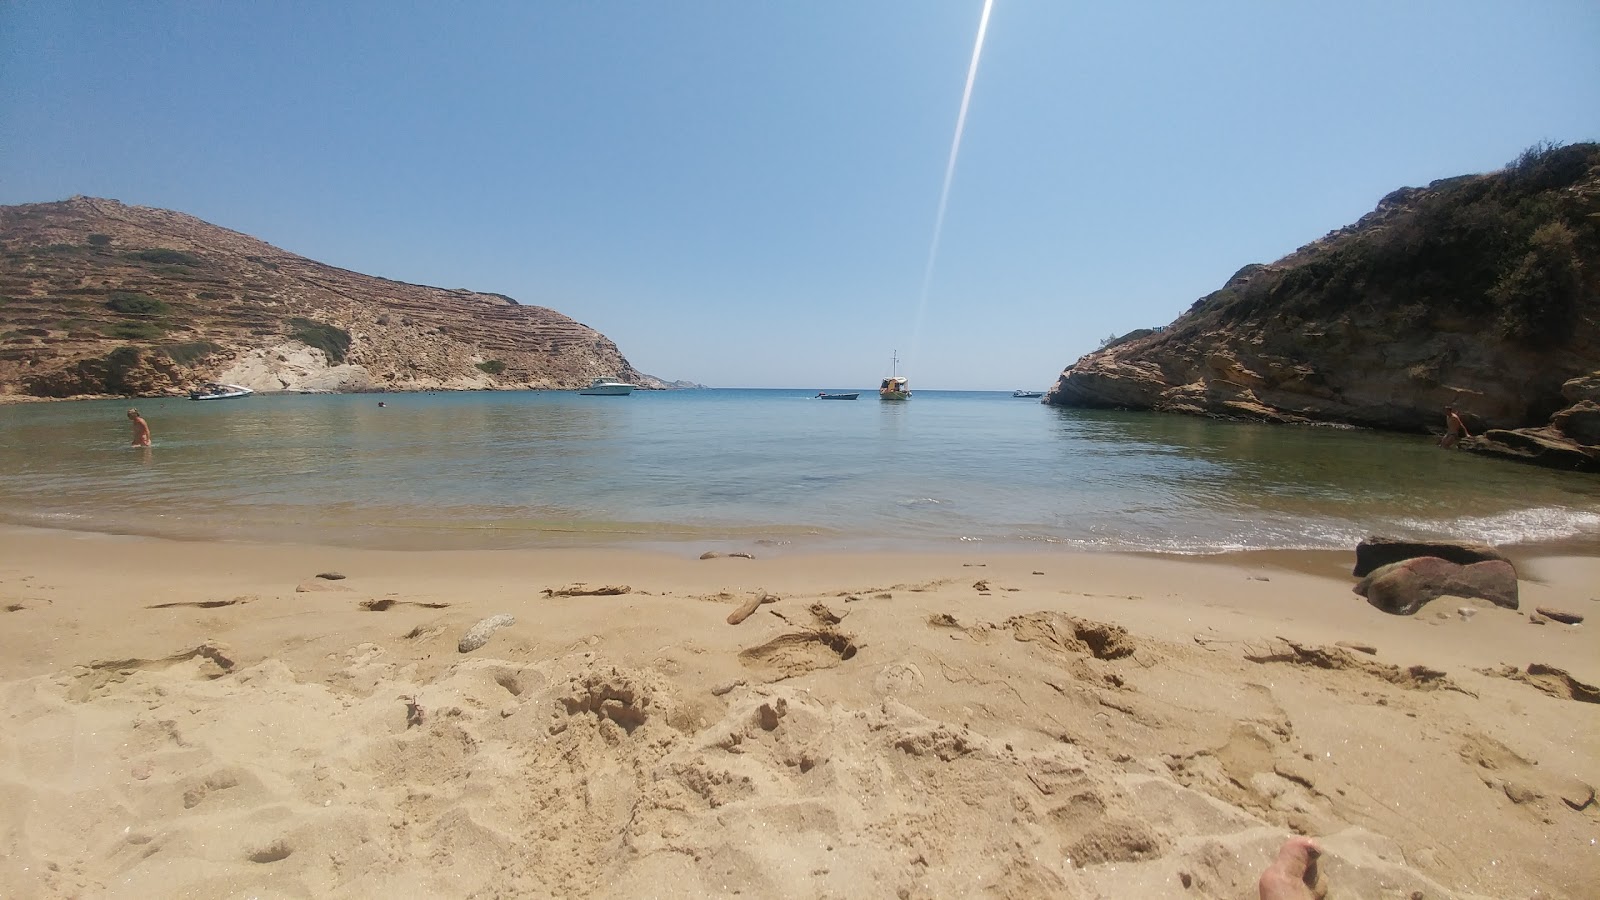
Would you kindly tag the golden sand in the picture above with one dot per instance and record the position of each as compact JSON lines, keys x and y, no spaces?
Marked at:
{"x":213,"y":720}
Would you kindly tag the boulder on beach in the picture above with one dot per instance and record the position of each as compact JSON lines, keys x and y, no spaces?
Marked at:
{"x":1376,"y":552}
{"x":1404,"y":587}
{"x":479,"y":634}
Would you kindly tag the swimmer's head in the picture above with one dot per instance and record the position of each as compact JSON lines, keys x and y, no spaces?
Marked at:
{"x":133,"y":414}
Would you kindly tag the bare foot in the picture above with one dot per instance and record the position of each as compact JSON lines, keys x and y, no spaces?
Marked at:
{"x":1293,"y":875}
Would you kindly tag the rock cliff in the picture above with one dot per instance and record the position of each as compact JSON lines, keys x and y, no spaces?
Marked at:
{"x":97,"y":297}
{"x":1481,"y":292}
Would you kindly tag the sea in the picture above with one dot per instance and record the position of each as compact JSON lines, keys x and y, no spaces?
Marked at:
{"x":741,"y":468}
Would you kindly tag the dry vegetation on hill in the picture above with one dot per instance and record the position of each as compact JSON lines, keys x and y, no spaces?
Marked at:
{"x":97,"y":297}
{"x":1480,"y":291}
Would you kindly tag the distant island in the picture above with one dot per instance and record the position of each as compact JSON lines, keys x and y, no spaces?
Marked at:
{"x":101,"y":298}
{"x":1480,"y":292}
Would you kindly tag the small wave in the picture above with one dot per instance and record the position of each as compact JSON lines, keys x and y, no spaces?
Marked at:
{"x":1544,"y":524}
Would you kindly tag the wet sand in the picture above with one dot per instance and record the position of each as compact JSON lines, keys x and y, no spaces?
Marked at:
{"x":210,"y":719}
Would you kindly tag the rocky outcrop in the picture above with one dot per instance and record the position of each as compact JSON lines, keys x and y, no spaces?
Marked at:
{"x":1376,"y":552}
{"x":1481,"y":292}
{"x":1402,"y":588}
{"x":97,"y":297}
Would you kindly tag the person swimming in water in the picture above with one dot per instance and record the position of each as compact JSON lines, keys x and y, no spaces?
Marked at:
{"x":141,"y":429}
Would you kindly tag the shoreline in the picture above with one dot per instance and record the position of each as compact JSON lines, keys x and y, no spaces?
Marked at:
{"x":758,"y":540}
{"x":215,"y":718}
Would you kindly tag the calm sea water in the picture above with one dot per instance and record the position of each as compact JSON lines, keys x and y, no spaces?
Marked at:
{"x":946,"y":469}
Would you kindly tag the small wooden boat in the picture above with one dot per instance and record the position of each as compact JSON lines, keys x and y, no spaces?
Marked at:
{"x":823,"y":395}
{"x":896,"y":386}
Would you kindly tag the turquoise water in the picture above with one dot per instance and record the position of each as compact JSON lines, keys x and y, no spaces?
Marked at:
{"x":946,"y":469}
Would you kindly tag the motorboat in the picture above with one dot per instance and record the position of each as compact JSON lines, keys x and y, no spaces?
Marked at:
{"x":215,"y":391}
{"x":607,"y":387}
{"x":1027,"y":393}
{"x":896,"y":386}
{"x":823,"y":395}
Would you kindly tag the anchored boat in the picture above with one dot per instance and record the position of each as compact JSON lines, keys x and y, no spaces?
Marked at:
{"x":216,"y":391}
{"x":607,"y":387}
{"x":895,"y":387}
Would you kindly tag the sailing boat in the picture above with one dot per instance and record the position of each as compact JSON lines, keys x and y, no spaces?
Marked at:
{"x":895,"y":387}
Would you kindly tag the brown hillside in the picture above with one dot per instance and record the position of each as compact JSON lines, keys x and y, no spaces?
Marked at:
{"x":97,"y":297}
{"x":1481,"y":292}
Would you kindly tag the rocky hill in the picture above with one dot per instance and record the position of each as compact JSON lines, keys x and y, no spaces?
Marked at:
{"x":1481,"y":292}
{"x":101,"y":298}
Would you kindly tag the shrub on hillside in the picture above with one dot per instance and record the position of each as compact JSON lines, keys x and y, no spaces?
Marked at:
{"x":162,"y":256}
{"x":99,"y":240}
{"x":333,"y":341}
{"x":1504,"y":251}
{"x":492,"y":367}
{"x":191,"y":351}
{"x":1540,"y":295}
{"x":136,"y":331}
{"x":137,"y":304}
{"x":118,"y":366}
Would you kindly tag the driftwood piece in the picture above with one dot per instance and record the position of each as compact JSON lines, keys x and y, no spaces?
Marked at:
{"x":748,"y":607}
{"x":583,"y":590}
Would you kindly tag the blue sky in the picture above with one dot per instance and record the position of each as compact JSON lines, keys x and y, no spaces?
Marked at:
{"x":744,"y":193}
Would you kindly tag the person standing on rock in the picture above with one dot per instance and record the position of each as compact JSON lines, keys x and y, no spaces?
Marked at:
{"x":141,"y":429}
{"x":1454,"y":428}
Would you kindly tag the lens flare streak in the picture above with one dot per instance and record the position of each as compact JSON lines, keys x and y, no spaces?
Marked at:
{"x":949,"y":174}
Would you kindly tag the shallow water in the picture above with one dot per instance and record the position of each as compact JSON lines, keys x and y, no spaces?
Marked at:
{"x":526,"y":469}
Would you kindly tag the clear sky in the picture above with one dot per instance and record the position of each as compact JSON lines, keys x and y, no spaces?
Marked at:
{"x":744,"y":193}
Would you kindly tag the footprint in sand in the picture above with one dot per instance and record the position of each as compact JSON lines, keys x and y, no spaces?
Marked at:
{"x":218,"y":781}
{"x":898,"y":679}
{"x":1553,"y":681}
{"x":274,"y":852}
{"x":383,"y":603}
{"x":98,"y":675}
{"x":202,"y":604}
{"x":799,"y":652}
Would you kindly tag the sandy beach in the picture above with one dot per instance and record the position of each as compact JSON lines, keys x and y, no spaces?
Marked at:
{"x":189,"y":719}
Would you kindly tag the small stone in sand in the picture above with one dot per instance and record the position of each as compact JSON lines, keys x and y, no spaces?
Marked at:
{"x":726,"y":687}
{"x":330,"y":576}
{"x":317,"y":584}
{"x":1561,"y":616}
{"x":769,"y":714}
{"x":478,"y":635}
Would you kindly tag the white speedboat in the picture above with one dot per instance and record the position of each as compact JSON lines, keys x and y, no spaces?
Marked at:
{"x":1027,"y":393}
{"x":215,"y":391}
{"x":607,"y":387}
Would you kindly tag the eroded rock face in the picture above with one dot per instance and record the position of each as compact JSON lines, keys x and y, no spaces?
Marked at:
{"x":1384,"y":323}
{"x":104,"y":298}
{"x":1402,"y":588}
